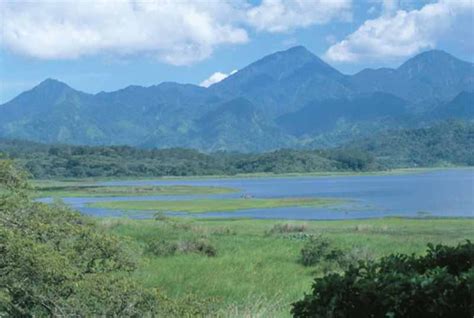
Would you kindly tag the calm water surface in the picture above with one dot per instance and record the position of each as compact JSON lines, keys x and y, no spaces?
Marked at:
{"x":445,"y":193}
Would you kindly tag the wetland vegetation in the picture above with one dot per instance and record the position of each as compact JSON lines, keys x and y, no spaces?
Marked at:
{"x":213,"y":205}
{"x":256,"y":269}
{"x":58,"y":189}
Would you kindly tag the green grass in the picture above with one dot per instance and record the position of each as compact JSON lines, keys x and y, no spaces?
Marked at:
{"x":210,"y":205}
{"x":81,"y":189}
{"x":255,"y":273}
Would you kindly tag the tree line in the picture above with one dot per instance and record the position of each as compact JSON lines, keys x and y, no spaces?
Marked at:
{"x":446,"y":144}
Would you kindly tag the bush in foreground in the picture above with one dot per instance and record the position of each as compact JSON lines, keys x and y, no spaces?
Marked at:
{"x":318,"y":249}
{"x":55,"y":262}
{"x":287,"y":228}
{"x":169,"y":248}
{"x":439,"y":284}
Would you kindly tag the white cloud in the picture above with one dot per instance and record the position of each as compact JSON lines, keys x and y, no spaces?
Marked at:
{"x":400,"y":33}
{"x":284,"y":15}
{"x":176,"y":32}
{"x":215,"y":78}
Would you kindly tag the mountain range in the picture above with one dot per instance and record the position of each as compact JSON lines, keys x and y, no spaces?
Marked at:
{"x":290,"y":98}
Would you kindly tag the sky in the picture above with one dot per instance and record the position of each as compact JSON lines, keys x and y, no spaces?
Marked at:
{"x":103,"y":45}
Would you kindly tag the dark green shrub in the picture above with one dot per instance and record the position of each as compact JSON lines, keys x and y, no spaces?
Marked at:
{"x":169,"y":248}
{"x":200,"y":246}
{"x":287,"y":228}
{"x":162,"y":248}
{"x":206,"y":248}
{"x":318,"y":249}
{"x":299,"y":236}
{"x":439,"y":284}
{"x":56,"y":263}
{"x":223,"y":230}
{"x":160,"y":216}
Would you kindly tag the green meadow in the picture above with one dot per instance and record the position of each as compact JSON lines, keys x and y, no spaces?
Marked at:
{"x":211,"y":205}
{"x":245,"y":267}
{"x":253,"y":269}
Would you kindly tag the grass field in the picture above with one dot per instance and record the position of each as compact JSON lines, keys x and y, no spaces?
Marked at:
{"x":210,"y":205}
{"x":256,"y":271}
{"x":83,"y":189}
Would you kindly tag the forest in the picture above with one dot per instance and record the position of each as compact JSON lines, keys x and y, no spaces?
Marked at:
{"x":446,"y":144}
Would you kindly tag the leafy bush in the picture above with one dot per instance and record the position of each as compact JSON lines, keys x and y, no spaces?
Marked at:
{"x":357,"y":254}
{"x":160,"y":216}
{"x":55,"y":262}
{"x":299,"y":236}
{"x":162,"y":248}
{"x":168,"y":248}
{"x":439,"y":284}
{"x":223,"y":230}
{"x":287,"y":228}
{"x":201,"y":246}
{"x":318,"y":249}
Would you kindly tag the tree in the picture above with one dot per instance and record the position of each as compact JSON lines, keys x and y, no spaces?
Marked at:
{"x":439,"y":284}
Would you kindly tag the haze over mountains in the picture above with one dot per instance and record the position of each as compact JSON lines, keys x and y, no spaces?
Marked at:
{"x":286,"y":99}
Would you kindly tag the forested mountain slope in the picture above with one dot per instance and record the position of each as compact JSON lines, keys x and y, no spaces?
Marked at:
{"x":445,"y":144}
{"x":287,"y":99}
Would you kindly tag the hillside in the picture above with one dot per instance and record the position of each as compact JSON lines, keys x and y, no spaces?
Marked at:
{"x":445,"y":144}
{"x":287,"y":99}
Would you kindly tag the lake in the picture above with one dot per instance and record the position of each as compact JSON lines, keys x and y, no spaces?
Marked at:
{"x":438,"y":193}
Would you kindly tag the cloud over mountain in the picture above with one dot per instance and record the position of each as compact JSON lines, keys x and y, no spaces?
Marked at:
{"x":401,"y":33}
{"x":281,"y":16}
{"x":175,"y":32}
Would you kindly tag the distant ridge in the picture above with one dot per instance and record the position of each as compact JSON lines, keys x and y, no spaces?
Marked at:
{"x":289,"y":98}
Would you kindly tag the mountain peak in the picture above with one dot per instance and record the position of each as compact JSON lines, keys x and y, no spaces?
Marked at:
{"x":276,"y":67}
{"x":297,"y":55}
{"x":52,"y":83}
{"x":48,"y":91}
{"x":438,"y":68}
{"x":299,"y":49}
{"x":432,"y":59}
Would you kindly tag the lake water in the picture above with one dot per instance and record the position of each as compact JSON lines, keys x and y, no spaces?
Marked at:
{"x":440,"y":193}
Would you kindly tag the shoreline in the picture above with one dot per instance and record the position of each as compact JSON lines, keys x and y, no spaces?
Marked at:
{"x":322,"y":174}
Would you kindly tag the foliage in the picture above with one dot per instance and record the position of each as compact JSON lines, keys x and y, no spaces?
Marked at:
{"x":250,"y":266}
{"x":55,"y":262}
{"x":287,"y":228}
{"x":318,"y":249}
{"x":67,"y":161}
{"x":168,"y":248}
{"x":439,"y":284}
{"x":447,"y":143}
{"x":162,"y":248}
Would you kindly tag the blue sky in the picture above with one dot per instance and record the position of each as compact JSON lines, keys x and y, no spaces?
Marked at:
{"x":108,"y":45}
